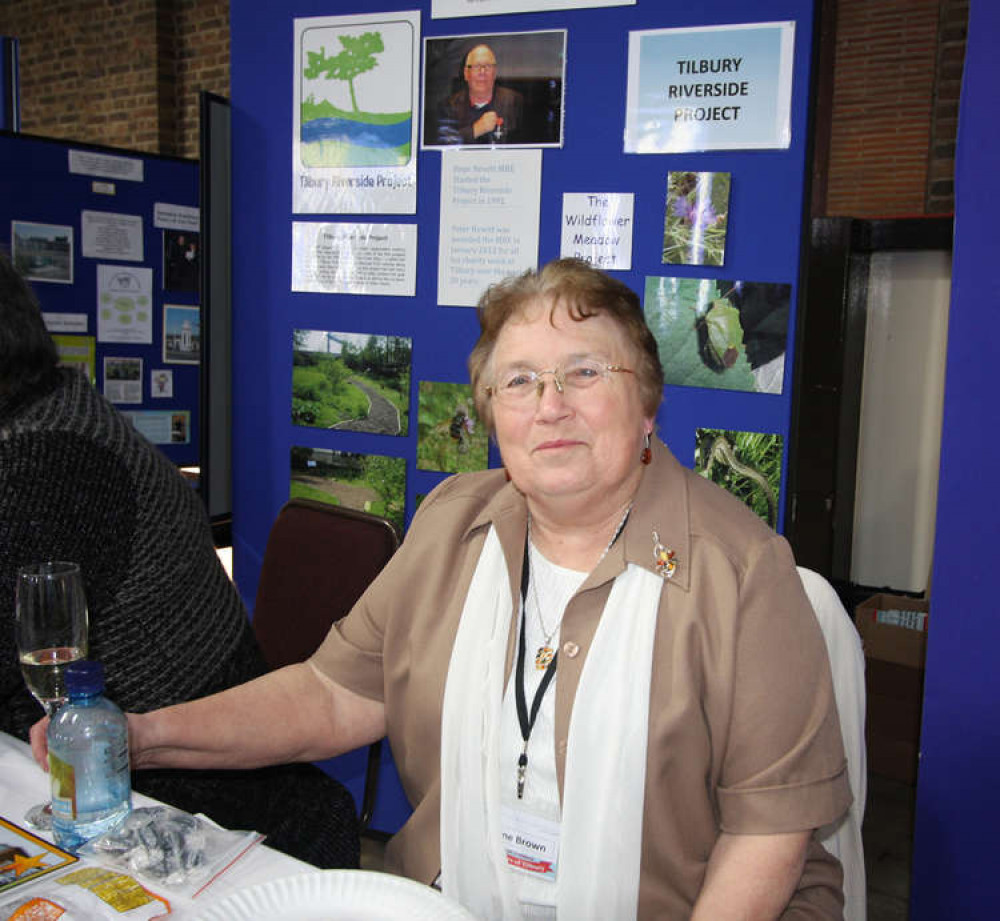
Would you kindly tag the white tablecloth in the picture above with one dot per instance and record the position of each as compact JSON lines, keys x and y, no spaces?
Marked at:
{"x":23,"y":784}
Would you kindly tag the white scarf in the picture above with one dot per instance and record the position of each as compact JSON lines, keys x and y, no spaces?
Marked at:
{"x":605,"y":773}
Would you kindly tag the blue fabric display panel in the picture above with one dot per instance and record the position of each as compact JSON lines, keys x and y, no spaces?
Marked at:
{"x":93,"y":242}
{"x":757,"y":204}
{"x":762,"y":241}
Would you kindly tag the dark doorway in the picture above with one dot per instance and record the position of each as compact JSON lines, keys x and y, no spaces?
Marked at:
{"x":824,"y":434}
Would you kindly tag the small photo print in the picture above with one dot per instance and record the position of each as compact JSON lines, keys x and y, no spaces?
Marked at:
{"x":161,"y":383}
{"x":723,"y":335}
{"x":354,"y":382}
{"x":697,"y":217}
{"x":180,"y":428}
{"x":42,"y":252}
{"x":181,"y":334}
{"x":181,"y":261}
{"x":367,"y":482}
{"x":450,"y":436}
{"x":746,"y":464}
{"x":123,"y":380}
{"x":498,"y":89}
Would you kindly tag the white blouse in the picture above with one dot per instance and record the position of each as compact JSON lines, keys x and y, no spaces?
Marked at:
{"x":553,"y":586}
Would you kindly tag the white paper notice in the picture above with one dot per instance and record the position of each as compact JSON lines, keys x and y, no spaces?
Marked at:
{"x":124,"y":304}
{"x":65,"y":322}
{"x":105,"y":235}
{"x":354,"y":258}
{"x":597,"y":227}
{"x":123,"y":380}
{"x":161,"y":383}
{"x":90,"y":163}
{"x":176,"y":217}
{"x":444,"y":9}
{"x":355,"y":100}
{"x":489,"y":220}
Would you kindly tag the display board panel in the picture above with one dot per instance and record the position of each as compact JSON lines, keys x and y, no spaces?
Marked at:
{"x":109,"y":240}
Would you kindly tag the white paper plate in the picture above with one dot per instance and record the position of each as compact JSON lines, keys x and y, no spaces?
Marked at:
{"x":337,"y":895}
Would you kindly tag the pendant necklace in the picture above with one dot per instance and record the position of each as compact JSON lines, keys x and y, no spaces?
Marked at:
{"x":546,"y":654}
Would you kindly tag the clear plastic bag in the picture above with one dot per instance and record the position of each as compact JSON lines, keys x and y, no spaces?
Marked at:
{"x":169,"y":849}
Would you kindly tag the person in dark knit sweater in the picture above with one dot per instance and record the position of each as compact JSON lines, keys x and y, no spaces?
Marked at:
{"x":77,"y":482}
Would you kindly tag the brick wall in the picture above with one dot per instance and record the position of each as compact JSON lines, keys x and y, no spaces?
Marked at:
{"x":128,"y":73}
{"x":125,"y":73}
{"x":202,"y":62}
{"x":896,"y":74}
{"x":944,"y":114}
{"x":886,"y":51}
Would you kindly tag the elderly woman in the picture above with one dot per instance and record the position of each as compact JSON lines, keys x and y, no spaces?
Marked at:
{"x":606,"y":693}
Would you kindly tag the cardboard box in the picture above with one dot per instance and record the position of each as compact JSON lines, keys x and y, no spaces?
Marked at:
{"x":888,"y":642}
{"x":894,"y":678}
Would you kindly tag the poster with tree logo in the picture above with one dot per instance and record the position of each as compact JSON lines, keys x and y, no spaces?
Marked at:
{"x":354,"y":115}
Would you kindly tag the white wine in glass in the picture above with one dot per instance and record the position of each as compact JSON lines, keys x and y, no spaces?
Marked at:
{"x":51,"y":617}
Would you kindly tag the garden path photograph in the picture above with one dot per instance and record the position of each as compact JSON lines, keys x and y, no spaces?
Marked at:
{"x":351,"y":381}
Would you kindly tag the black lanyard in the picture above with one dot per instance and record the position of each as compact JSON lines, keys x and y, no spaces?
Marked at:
{"x":526,"y":721}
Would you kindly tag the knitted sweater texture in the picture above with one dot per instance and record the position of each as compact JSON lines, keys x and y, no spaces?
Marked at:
{"x":77,"y":482}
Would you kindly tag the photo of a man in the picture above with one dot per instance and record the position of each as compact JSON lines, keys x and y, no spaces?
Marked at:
{"x":481,"y":112}
{"x":494,"y":89}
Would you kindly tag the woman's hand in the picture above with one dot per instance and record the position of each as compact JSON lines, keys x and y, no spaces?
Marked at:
{"x":40,"y":742}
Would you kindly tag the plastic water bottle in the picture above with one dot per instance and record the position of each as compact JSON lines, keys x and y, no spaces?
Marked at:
{"x":88,"y":760}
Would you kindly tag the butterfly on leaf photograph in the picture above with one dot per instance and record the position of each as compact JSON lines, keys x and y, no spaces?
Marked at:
{"x":723,"y":335}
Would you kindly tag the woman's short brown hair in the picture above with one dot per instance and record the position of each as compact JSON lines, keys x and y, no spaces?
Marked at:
{"x":585,"y":292}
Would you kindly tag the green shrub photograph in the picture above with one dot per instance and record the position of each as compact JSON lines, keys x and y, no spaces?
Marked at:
{"x":367,"y":482}
{"x":450,"y":436}
{"x":352,"y":381}
{"x":747,"y":464}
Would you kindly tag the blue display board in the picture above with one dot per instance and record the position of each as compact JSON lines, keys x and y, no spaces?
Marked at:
{"x":763,"y":239}
{"x":762,"y":245}
{"x":42,"y":195}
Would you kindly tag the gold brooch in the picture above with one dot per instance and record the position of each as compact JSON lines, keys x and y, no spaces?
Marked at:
{"x":664,"y":558}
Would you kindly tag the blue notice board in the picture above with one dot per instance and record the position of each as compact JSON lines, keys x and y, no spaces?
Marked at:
{"x":130,"y":308}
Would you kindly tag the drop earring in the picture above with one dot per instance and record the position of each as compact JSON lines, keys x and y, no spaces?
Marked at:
{"x":646,"y":455}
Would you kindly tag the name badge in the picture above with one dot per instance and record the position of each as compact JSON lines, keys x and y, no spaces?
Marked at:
{"x":531,"y":843}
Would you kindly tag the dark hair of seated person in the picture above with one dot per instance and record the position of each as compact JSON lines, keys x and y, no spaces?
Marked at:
{"x":28,"y":355}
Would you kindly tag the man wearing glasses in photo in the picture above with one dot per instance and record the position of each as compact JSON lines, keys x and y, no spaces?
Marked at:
{"x":481,"y":113}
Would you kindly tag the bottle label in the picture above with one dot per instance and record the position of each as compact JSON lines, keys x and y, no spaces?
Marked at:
{"x":63,"y":787}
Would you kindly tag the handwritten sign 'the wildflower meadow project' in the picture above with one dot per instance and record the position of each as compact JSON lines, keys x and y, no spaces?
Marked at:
{"x":712,"y":88}
{"x":597,"y":228}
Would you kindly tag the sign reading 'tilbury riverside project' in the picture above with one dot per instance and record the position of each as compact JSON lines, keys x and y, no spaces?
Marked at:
{"x":711,"y":88}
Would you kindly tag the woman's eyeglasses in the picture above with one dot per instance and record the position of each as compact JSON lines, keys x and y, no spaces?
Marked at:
{"x":518,"y":386}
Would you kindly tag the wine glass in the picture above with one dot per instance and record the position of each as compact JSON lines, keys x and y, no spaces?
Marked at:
{"x":51,"y":616}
